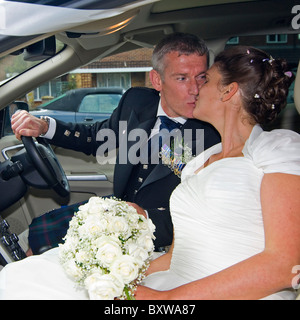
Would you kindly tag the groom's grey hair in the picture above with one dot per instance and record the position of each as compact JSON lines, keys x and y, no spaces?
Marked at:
{"x":183,"y":43}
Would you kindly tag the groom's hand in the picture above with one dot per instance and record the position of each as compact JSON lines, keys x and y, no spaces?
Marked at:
{"x":25,"y":124}
{"x":138,"y":209}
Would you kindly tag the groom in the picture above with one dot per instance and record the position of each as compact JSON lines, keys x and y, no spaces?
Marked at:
{"x":179,"y":65}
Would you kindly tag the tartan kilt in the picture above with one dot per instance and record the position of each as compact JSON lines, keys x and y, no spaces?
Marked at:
{"x":48,"y":230}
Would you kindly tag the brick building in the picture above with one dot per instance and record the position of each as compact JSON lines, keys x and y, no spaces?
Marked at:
{"x":129,"y":69}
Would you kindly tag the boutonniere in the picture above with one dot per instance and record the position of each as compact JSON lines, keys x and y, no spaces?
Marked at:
{"x":176,"y":156}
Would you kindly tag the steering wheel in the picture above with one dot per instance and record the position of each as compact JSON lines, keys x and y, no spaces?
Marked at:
{"x":47,"y":165}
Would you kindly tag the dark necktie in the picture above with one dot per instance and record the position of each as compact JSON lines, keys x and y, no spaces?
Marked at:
{"x":167,"y":123}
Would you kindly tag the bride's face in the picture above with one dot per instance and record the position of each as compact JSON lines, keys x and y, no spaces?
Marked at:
{"x":209,"y":106}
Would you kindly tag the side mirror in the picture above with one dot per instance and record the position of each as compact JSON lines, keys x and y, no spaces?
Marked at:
{"x":17,"y":105}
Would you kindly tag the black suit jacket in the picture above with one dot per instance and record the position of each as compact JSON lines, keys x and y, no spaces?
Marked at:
{"x":138,"y":107}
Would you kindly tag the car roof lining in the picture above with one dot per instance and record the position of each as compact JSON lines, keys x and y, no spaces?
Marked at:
{"x":170,"y":5}
{"x":191,"y":16}
{"x":206,"y":22}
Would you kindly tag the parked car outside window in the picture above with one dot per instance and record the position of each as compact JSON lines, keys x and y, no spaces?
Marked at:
{"x":85,"y":105}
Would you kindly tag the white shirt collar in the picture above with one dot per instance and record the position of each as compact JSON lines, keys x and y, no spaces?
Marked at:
{"x":161,"y":112}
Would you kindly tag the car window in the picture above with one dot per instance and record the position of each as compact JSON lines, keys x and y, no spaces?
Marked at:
{"x":99,"y":103}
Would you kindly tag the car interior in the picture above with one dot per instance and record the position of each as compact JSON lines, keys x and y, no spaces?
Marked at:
{"x":31,"y":184}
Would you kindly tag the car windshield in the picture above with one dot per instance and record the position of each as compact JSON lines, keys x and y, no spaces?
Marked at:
{"x":14,"y":64}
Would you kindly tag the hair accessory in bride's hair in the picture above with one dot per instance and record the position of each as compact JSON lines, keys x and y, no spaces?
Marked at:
{"x":273,"y":106}
{"x":256,"y":96}
{"x":270,"y":60}
{"x":289,"y":74}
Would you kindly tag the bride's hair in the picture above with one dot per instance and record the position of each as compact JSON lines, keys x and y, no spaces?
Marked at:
{"x":264,"y":82}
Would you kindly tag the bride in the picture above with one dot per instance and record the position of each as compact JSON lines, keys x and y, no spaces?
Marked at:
{"x":236,"y":212}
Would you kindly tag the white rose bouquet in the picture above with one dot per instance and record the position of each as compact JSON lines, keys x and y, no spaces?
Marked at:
{"x":107,"y":248}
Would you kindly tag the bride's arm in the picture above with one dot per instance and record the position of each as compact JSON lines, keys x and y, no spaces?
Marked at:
{"x":267,"y":272}
{"x":162,"y":263}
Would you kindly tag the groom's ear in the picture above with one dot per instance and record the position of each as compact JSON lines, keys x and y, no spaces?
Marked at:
{"x":230,"y":91}
{"x":156,"y":80}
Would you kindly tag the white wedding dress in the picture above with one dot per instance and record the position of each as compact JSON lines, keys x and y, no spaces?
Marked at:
{"x":217,"y":221}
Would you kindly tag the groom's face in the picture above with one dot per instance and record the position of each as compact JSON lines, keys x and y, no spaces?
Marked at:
{"x":180,"y":82}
